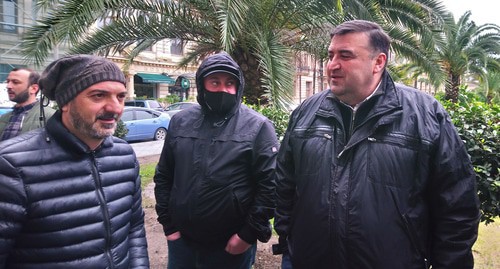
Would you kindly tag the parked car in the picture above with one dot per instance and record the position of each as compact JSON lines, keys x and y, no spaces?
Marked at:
{"x":176,"y":107}
{"x":4,"y":109}
{"x":153,"y":104}
{"x":145,"y":124}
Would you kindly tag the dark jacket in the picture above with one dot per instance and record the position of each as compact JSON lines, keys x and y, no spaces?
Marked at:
{"x":392,"y":189}
{"x":30,"y":122}
{"x":215,"y":176}
{"x":65,"y":206}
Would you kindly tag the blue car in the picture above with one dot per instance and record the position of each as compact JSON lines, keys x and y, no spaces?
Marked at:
{"x":145,"y":124}
{"x":4,"y":110}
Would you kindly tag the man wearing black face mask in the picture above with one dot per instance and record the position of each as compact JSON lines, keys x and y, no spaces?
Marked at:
{"x":220,"y":91}
{"x":214,"y":181}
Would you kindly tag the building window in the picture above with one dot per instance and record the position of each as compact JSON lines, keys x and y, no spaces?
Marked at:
{"x":5,"y":70}
{"x":176,"y":46}
{"x":8,"y":13}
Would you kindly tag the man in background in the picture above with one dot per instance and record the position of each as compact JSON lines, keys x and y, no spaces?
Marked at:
{"x":22,"y":88}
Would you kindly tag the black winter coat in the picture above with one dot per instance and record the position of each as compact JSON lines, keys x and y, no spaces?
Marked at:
{"x":65,"y":206}
{"x":215,"y":176}
{"x":395,"y":189}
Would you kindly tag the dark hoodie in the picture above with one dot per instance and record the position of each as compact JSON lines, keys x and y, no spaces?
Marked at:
{"x":215,"y":174}
{"x":219,"y":62}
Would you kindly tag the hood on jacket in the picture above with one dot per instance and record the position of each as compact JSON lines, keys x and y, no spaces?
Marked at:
{"x":220,"y":62}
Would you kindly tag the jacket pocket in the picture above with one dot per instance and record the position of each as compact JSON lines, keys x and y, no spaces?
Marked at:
{"x":312,"y":148}
{"x":392,"y":160}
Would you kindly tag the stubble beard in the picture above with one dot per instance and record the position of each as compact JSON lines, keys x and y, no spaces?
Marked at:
{"x":94,"y":130}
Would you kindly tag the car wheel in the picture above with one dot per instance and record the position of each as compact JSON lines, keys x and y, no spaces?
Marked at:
{"x":160,"y":134}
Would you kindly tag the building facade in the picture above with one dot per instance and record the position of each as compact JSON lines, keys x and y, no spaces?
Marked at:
{"x":153,"y":74}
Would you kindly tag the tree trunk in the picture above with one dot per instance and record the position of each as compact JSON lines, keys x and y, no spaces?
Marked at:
{"x":253,"y":92}
{"x":452,"y":88}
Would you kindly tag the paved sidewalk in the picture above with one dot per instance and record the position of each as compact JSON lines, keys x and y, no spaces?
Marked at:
{"x":149,"y":148}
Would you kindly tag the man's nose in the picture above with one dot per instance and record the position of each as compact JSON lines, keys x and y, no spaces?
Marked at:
{"x":115,"y":105}
{"x":333,"y":64}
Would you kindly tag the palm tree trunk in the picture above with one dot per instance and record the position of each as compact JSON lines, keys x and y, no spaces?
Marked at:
{"x":253,"y":92}
{"x":452,"y":88}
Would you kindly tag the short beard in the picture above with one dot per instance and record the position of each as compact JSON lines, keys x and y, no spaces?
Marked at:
{"x":21,"y":97}
{"x":91,"y":129}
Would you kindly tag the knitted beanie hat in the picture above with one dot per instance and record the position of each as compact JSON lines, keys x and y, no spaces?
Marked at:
{"x":66,"y":77}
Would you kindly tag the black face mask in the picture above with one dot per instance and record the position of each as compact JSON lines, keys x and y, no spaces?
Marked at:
{"x":220,"y":102}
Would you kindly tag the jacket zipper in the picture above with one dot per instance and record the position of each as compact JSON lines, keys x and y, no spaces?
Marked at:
{"x":104,"y":209}
{"x":349,"y":133}
{"x":348,"y":146}
{"x":411,"y":236}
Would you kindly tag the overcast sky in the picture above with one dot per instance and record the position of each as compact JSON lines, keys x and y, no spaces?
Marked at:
{"x":483,"y":11}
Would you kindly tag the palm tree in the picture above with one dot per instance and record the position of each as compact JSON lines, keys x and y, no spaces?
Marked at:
{"x":262,"y":35}
{"x":489,"y":87}
{"x":467,"y":49}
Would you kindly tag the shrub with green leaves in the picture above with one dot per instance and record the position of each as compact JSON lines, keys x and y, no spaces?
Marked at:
{"x":478,"y":124}
{"x":121,"y":130}
{"x":169,"y":99}
{"x":278,"y":116}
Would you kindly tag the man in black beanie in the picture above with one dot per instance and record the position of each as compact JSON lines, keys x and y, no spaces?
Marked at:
{"x":70,"y":193}
{"x":214,"y":183}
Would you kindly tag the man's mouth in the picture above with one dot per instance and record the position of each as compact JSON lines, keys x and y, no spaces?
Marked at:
{"x":108,"y":117}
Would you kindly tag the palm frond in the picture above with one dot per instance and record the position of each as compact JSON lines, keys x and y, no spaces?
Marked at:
{"x":277,"y":69}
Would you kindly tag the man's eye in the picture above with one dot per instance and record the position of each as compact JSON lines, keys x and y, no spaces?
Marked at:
{"x":98,"y":95}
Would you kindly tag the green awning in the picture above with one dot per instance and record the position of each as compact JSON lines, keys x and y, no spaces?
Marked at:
{"x":155,"y":78}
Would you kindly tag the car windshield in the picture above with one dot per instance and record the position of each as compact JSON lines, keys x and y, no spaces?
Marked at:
{"x":154,"y":104}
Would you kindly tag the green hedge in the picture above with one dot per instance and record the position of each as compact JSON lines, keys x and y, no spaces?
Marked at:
{"x":277,"y":116}
{"x":121,"y":130}
{"x":478,"y":125}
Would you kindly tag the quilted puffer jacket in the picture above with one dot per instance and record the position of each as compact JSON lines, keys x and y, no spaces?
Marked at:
{"x":389,"y":187}
{"x":65,"y":206}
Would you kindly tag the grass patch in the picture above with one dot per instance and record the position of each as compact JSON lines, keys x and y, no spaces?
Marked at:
{"x":147,"y":172}
{"x":487,"y":246}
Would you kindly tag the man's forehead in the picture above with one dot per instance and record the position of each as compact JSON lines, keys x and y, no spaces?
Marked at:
{"x":107,"y":86}
{"x":19,"y":73}
{"x":349,"y":42}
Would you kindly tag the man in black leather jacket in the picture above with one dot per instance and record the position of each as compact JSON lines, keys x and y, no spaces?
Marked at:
{"x":372,"y":174}
{"x":70,"y":194}
{"x":215,"y":177}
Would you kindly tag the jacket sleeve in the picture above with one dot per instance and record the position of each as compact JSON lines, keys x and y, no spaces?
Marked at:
{"x":454,"y":202}
{"x":12,"y":208}
{"x":285,"y":190}
{"x":138,"y":249}
{"x":263,"y":166}
{"x":163,"y":179}
{"x":4,"y":120}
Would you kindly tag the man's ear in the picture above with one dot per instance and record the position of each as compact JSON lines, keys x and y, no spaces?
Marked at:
{"x":380,"y":62}
{"x":34,"y":88}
